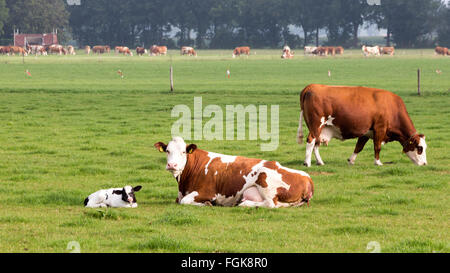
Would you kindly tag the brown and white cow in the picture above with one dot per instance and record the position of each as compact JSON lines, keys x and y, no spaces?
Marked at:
{"x":238,"y":51}
{"x":206,"y":178}
{"x":370,"y":50}
{"x":346,"y":112}
{"x":339,"y":50}
{"x":5,"y":50}
{"x":158,"y":50}
{"x":441,"y":51}
{"x":187,"y":50}
{"x":59,"y":49}
{"x":123,"y":50}
{"x":141,"y":51}
{"x":388,"y":50}
{"x":308,"y":50}
{"x":17,"y":50}
{"x":287,"y":53}
{"x":100,"y":49}
{"x":36,"y":50}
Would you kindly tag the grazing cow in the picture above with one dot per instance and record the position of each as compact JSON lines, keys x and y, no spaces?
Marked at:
{"x":17,"y":50}
{"x":100,"y":49}
{"x":238,"y":51}
{"x":87,"y":50}
{"x":123,"y":50}
{"x":158,"y":50}
{"x":339,"y":50}
{"x":346,"y":112}
{"x":141,"y":51}
{"x":321,"y":51}
{"x":71,"y":50}
{"x":441,"y":51}
{"x":206,"y":178}
{"x":287,"y":53}
{"x":309,"y":50}
{"x":5,"y":50}
{"x":59,"y":49}
{"x":187,"y":50}
{"x":116,"y":198}
{"x":36,"y":50}
{"x":371,"y":50}
{"x":388,"y":50}
{"x":331,"y":50}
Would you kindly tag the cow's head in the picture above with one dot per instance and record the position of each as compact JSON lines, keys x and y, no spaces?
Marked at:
{"x":127,"y":193}
{"x":415,"y":148}
{"x":177,"y":153}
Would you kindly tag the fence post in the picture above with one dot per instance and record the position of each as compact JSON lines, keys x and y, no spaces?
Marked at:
{"x":171,"y":79}
{"x":418,"y":81}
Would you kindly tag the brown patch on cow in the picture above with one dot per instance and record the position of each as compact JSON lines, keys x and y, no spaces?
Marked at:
{"x":262,"y":180}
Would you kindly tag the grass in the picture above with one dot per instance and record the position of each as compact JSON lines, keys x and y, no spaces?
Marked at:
{"x":75,"y":127}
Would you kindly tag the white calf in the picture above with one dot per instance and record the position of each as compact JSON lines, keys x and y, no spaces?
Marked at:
{"x":115,"y":197}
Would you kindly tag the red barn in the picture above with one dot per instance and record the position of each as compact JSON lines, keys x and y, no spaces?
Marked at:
{"x":45,"y":39}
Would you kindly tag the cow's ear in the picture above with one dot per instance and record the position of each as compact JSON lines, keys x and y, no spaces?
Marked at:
{"x":118,"y":192}
{"x":137,"y":188}
{"x":191,"y":148}
{"x":161,"y":147}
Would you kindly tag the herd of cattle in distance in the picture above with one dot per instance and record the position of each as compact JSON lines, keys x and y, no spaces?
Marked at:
{"x":156,"y":50}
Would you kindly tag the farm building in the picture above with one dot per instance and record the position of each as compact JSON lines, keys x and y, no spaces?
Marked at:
{"x":35,"y":39}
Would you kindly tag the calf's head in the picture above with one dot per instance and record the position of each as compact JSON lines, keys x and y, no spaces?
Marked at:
{"x":177,"y":154}
{"x":127,"y":193}
{"x":415,"y":148}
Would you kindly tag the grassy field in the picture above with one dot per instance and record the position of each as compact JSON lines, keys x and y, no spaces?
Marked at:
{"x":75,"y":127}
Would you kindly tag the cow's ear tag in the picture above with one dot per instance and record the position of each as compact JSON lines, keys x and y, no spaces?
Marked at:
{"x":191,"y":151}
{"x":410,"y":142}
{"x":161,"y":149}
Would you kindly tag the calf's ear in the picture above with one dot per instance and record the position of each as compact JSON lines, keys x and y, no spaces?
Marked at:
{"x":160,"y":146}
{"x":191,"y":148}
{"x":137,"y":188}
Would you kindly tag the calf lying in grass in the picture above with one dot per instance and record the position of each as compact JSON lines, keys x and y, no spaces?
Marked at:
{"x":115,"y":197}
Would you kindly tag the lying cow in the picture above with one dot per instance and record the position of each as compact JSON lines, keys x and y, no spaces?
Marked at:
{"x":287,"y":53}
{"x":206,"y":178}
{"x":346,"y":112}
{"x":238,"y":51}
{"x":116,"y":198}
{"x":370,"y":50}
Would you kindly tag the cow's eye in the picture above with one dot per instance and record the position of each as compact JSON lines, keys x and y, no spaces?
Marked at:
{"x":419,"y":150}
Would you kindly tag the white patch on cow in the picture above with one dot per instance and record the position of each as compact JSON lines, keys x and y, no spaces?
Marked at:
{"x":328,"y":132}
{"x":216,"y":173}
{"x":224,"y":158}
{"x":421,"y":159}
{"x":329,"y":121}
{"x":176,"y":156}
{"x":189,"y":199}
{"x":352,"y":159}
{"x":318,"y":157}
{"x":292,"y":170}
{"x":309,"y":150}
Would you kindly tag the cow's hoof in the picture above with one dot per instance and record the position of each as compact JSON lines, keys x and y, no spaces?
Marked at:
{"x":350,"y":162}
{"x":307,"y":165}
{"x":320,"y":163}
{"x":208,"y":204}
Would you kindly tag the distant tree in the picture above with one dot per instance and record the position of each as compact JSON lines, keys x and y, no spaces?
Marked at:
{"x":443,"y":27}
{"x":4,"y":13}
{"x":37,"y":16}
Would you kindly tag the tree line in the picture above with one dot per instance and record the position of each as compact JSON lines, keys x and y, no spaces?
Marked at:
{"x":230,"y":23}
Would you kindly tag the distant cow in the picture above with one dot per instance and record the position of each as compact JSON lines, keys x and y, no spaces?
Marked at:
{"x":388,"y":50}
{"x":36,"y":50}
{"x":308,"y":50}
{"x":371,"y":50}
{"x":346,"y":112}
{"x":87,"y":50}
{"x":207,"y":178}
{"x":158,"y":50}
{"x":17,"y":50}
{"x":321,"y":51}
{"x":59,"y":49}
{"x":339,"y":50}
{"x":187,"y":50}
{"x":441,"y":51}
{"x":141,"y":51}
{"x":116,"y":198}
{"x":71,"y":50}
{"x":123,"y":50}
{"x":238,"y":51}
{"x":287,"y":53}
{"x":100,"y":49}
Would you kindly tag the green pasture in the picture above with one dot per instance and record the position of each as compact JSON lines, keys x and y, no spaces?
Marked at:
{"x":75,"y":126}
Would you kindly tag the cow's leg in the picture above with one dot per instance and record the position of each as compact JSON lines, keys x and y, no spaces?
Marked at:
{"x":317,"y":155}
{"x":195,"y":199}
{"x":359,"y":147}
{"x":310,"y":144}
{"x":378,"y":136}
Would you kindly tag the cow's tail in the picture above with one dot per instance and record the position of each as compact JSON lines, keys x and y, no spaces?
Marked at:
{"x":300,"y":129}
